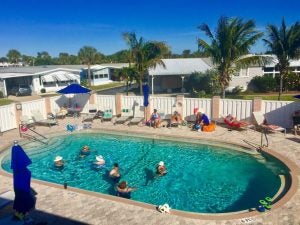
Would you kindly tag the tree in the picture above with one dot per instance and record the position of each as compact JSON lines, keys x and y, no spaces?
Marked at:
{"x":63,"y":58}
{"x":128,"y":74}
{"x":229,"y":44}
{"x":13,"y":56}
{"x":43,"y":58}
{"x":27,"y":60}
{"x":88,"y":55}
{"x":144,"y":54}
{"x":186,"y":53}
{"x":284,"y":42}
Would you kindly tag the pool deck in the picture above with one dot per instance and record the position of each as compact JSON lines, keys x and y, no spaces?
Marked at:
{"x":56,"y":205}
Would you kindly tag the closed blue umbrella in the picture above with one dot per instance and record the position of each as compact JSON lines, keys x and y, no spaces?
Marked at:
{"x":146,"y":94}
{"x":74,"y":89}
{"x":24,"y":200}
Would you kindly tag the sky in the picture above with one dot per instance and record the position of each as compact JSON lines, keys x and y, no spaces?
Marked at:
{"x":55,"y":26}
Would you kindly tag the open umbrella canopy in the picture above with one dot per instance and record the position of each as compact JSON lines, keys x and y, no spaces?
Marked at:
{"x":74,"y":89}
{"x":19,"y":159}
{"x":297,"y":96}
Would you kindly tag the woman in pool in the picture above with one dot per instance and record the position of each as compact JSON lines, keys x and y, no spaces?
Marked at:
{"x":58,"y":162}
{"x":161,"y":169}
{"x":123,"y":190}
{"x":84,"y":151}
{"x":114,"y":174}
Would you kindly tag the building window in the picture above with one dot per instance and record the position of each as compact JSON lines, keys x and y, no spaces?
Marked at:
{"x":105,"y":75}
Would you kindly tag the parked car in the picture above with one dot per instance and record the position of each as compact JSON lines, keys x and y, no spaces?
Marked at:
{"x":21,"y":89}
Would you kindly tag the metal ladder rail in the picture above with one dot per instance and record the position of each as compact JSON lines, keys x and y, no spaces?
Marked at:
{"x":22,"y":134}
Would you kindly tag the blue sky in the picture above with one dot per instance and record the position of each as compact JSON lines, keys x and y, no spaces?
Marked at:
{"x":66,"y":25}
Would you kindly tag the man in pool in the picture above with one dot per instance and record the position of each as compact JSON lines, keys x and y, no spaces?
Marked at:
{"x":114,"y":174}
{"x":123,"y":190}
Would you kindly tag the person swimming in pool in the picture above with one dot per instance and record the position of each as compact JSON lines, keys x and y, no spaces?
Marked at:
{"x":161,"y":169}
{"x":123,"y":190}
{"x":59,"y":162}
{"x":85,"y":151}
{"x":114,"y":174}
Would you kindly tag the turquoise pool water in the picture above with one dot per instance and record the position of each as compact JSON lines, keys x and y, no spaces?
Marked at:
{"x":201,"y":178}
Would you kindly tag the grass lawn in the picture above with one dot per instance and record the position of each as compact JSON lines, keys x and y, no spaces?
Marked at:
{"x":106,"y":86}
{"x":264,"y":96}
{"x":5,"y":101}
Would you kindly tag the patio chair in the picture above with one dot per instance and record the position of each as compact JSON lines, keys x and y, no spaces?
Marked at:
{"x":107,"y":115}
{"x":26,"y":121}
{"x":233,"y":123}
{"x":60,"y":113}
{"x":138,"y":115}
{"x":92,"y":114}
{"x":261,"y":121}
{"x":126,"y":114}
{"x":39,"y":119}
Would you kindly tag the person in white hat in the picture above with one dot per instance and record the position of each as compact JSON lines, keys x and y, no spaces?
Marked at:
{"x":99,"y":160}
{"x":161,"y":169}
{"x":58,"y":161}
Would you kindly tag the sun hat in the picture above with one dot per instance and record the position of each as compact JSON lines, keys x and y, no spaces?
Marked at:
{"x":99,"y":158}
{"x":58,"y":158}
{"x":161,"y":163}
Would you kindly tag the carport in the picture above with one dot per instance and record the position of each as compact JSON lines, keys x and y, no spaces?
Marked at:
{"x":9,"y":80}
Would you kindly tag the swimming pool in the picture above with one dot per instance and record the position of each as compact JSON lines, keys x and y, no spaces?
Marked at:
{"x":201,"y":178}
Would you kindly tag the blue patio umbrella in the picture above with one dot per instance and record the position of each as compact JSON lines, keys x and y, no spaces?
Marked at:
{"x":24,"y":200}
{"x":74,"y":89}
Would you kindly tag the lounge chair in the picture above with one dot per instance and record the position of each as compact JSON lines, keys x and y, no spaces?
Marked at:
{"x":232,"y":123}
{"x":176,"y":119}
{"x":138,"y":115}
{"x":107,"y":115}
{"x":262,"y":123}
{"x":92,"y":114}
{"x":38,"y":119}
{"x":26,"y":121}
{"x":126,"y":114}
{"x":60,"y":113}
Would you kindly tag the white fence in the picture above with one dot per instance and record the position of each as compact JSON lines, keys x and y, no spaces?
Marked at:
{"x":27,"y":107}
{"x":8,"y":117}
{"x":105,"y":102}
{"x":276,"y":112}
{"x":202,"y":104}
{"x":241,"y":109}
{"x":280,"y":112}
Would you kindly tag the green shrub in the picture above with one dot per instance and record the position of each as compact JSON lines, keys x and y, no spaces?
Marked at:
{"x":264,"y":84}
{"x":43,"y":90}
{"x":237,"y":90}
{"x":1,"y":94}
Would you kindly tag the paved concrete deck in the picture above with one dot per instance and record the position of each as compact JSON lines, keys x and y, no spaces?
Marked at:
{"x":60,"y":206}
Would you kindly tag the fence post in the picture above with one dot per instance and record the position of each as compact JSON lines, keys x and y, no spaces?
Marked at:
{"x":256,"y":105}
{"x":215,"y":107}
{"x":92,"y":99}
{"x":118,"y":104}
{"x":47,"y":105}
{"x":18,"y":111}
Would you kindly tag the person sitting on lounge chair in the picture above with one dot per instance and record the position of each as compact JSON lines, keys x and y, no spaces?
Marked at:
{"x":155,"y":119}
{"x":232,"y":122}
{"x":176,"y":119}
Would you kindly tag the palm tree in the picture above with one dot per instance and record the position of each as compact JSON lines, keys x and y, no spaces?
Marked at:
{"x":229,"y":45}
{"x":144,"y":54}
{"x":128,"y":74}
{"x":88,"y":55}
{"x":13,"y":56}
{"x":284,"y":42}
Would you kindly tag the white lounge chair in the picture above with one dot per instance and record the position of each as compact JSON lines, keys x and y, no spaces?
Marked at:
{"x":92,"y":114}
{"x":107,"y":115}
{"x":126,"y":114}
{"x":138,"y":115}
{"x":38,"y":119}
{"x":261,"y":121}
{"x":26,"y":121}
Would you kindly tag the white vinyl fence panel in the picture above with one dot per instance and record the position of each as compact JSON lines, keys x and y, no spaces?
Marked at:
{"x":105,"y":102}
{"x":39,"y":105}
{"x":55,"y":103}
{"x":128,"y":102}
{"x":8,"y":117}
{"x":202,"y":104}
{"x":164,"y":104}
{"x":280,"y":112}
{"x":241,"y":109}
